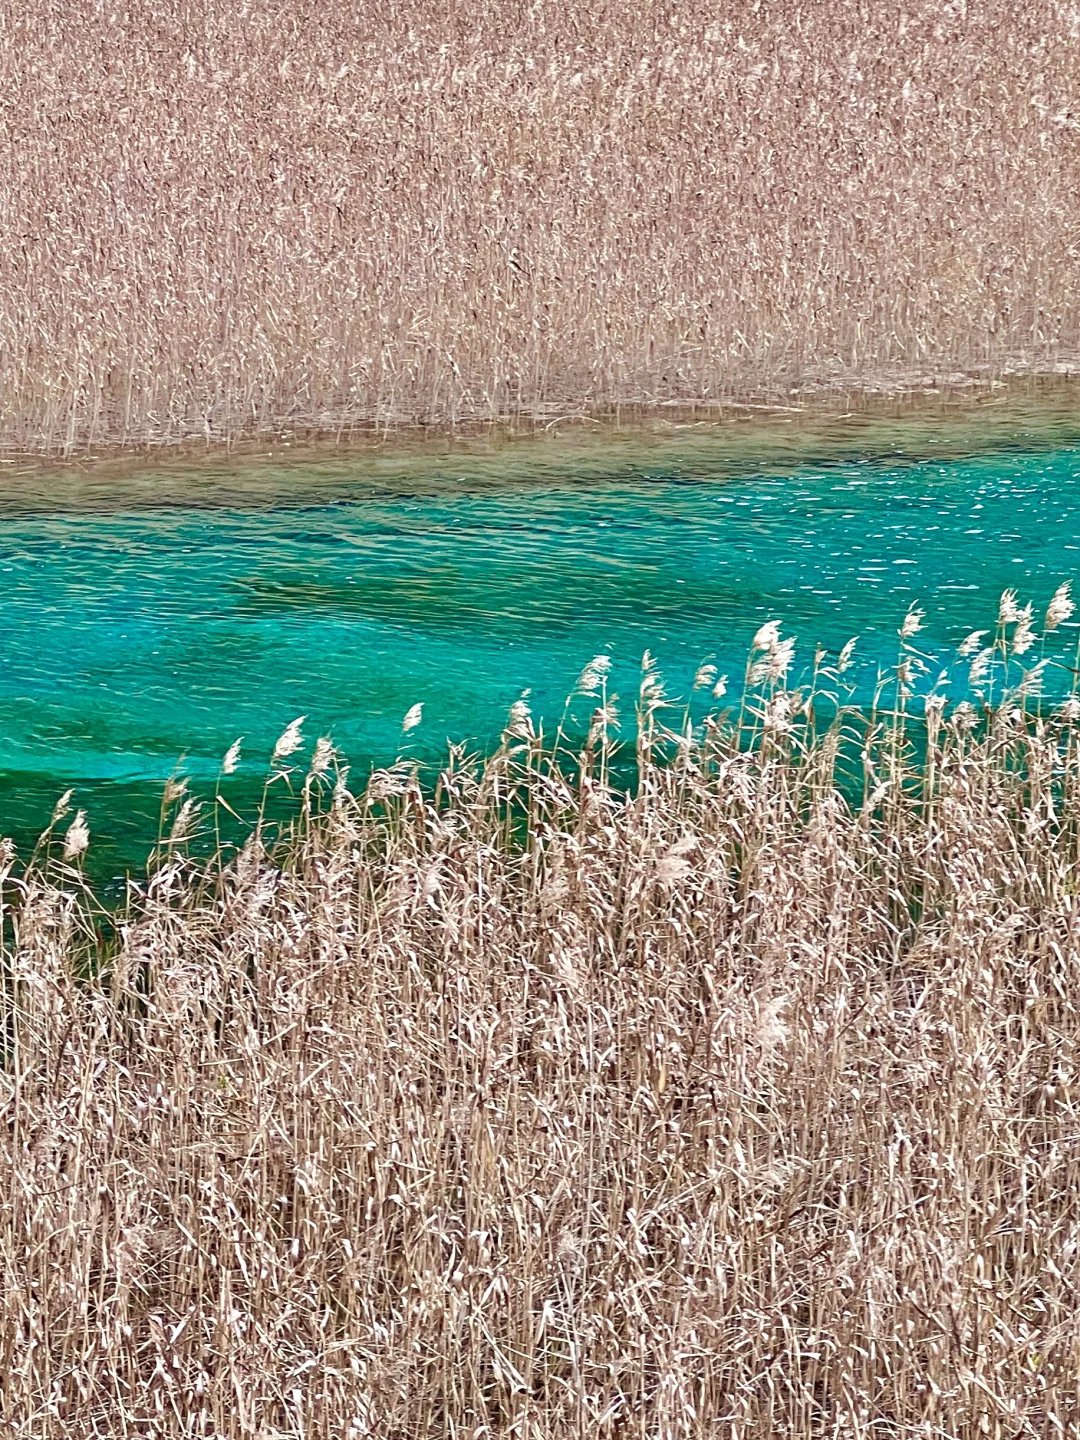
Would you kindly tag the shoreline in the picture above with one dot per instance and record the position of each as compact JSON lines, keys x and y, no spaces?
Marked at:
{"x":1041,"y":396}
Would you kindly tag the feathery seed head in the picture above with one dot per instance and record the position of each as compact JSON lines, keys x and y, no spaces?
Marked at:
{"x":777,"y":716}
{"x":1008,"y":610}
{"x":964,"y":717}
{"x":184,"y":823}
{"x":1024,"y":636}
{"x":341,"y":787}
{"x":652,"y":682}
{"x":779,"y":658}
{"x":592,"y":678}
{"x":604,"y":718}
{"x":62,"y":807}
{"x":519,"y":722}
{"x":323,"y":756}
{"x":290,"y":739}
{"x":970,"y":645}
{"x":673,"y":866}
{"x":912,"y":623}
{"x":175,"y":789}
{"x":767,"y":637}
{"x":1031,"y":686}
{"x":772,"y":1030}
{"x":1061,"y":607}
{"x":980,"y":667}
{"x":77,"y":838}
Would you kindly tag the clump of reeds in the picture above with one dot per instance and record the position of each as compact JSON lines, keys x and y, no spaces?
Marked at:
{"x":217,"y":222}
{"x":742,"y":1101}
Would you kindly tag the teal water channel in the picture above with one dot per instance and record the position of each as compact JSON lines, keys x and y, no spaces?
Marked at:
{"x":153,"y":618}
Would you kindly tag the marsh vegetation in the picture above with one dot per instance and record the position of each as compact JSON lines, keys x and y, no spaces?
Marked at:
{"x":705,"y":1070}
{"x":217,"y":222}
{"x":741,"y":1101}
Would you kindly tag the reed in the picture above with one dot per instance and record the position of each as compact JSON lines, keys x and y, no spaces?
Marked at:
{"x":740,"y":1102}
{"x":221,"y":220}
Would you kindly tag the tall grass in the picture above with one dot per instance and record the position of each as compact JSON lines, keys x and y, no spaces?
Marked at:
{"x":221,"y":219}
{"x":743,"y":1102}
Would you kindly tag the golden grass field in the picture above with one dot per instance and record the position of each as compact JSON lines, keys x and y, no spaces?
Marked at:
{"x":742,"y":1104}
{"x":228,"y":217}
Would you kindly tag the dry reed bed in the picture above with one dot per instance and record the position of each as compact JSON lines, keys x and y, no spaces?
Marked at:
{"x":732,"y":1106}
{"x":219,"y":219}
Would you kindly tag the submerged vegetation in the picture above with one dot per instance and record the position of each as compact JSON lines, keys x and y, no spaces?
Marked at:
{"x":741,"y":1101}
{"x":218,"y":221}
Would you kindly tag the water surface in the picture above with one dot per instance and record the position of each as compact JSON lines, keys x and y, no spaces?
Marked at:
{"x":149,"y":624}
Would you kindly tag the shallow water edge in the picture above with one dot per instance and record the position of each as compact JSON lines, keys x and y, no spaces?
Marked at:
{"x":156,"y":613}
{"x":922,"y":422}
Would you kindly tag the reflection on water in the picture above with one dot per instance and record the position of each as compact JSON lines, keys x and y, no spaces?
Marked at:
{"x":156,"y":624}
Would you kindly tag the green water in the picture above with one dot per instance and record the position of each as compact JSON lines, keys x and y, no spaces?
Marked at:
{"x":150,"y":619}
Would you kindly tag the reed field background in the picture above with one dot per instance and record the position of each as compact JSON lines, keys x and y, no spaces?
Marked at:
{"x":221,"y":219}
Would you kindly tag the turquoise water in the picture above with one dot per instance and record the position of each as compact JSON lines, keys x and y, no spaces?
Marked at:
{"x":149,"y":627}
